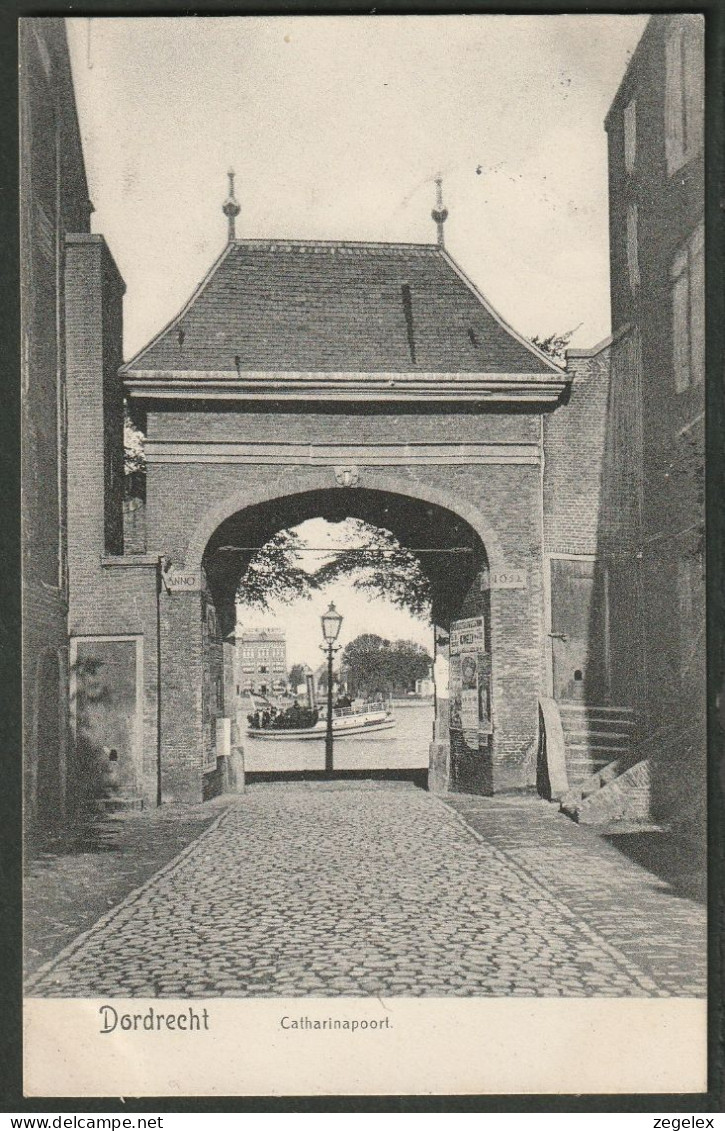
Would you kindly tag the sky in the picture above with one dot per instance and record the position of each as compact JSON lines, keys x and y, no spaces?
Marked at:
{"x":336,"y":128}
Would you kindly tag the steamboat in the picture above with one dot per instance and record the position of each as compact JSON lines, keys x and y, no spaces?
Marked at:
{"x":346,"y":721}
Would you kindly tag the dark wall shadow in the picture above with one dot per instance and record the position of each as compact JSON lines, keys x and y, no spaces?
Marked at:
{"x":677,"y":860}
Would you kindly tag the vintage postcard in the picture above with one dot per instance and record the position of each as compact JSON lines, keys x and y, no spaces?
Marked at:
{"x":363,"y":555}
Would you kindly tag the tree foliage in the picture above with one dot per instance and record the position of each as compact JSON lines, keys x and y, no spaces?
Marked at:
{"x":275,"y":574}
{"x":322,"y":679}
{"x":296,"y":675}
{"x":134,"y":459}
{"x":372,"y":664}
{"x":555,"y":345}
{"x":376,"y":564}
{"x":382,"y":566}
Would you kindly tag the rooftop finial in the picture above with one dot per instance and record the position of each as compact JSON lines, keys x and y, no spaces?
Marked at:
{"x":231,"y":207}
{"x":439,"y":213}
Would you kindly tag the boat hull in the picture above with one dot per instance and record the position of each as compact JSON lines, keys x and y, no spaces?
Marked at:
{"x":319,"y":731}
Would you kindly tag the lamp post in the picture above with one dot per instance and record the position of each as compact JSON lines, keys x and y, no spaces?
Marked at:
{"x":331,"y":625}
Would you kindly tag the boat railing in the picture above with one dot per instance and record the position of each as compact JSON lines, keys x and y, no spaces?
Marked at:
{"x":363,"y":709}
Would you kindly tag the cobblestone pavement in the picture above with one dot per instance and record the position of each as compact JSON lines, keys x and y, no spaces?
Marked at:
{"x":375,"y":892}
{"x":79,"y":876}
{"x":637,"y":912}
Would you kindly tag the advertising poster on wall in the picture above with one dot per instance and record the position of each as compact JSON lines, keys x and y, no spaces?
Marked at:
{"x":484,"y":694}
{"x":455,"y":692}
{"x":467,"y":654}
{"x":469,"y":693}
{"x":467,"y":635}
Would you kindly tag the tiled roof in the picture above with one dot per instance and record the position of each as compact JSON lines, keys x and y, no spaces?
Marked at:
{"x":295,"y":306}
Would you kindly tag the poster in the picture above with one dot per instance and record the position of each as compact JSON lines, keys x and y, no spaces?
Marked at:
{"x":467,"y":635}
{"x":469,"y":690}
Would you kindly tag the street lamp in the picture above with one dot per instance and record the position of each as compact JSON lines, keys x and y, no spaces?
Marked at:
{"x":331,"y":625}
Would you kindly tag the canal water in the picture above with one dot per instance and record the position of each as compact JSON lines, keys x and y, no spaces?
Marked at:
{"x":403,"y":747}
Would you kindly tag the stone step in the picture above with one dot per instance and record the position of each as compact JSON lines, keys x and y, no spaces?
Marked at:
{"x":579,"y":778}
{"x":596,"y":761}
{"x":591,"y":718}
{"x":589,"y":708}
{"x":627,"y":796}
{"x":581,"y":723}
{"x":596,"y":749}
{"x":582,"y":735}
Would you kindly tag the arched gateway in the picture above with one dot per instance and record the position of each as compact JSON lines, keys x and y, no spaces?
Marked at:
{"x":321,"y":379}
{"x":450,"y":552}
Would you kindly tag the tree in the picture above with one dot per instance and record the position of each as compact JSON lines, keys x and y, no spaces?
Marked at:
{"x":134,"y":459}
{"x":408,"y":662}
{"x":555,"y":345}
{"x":379,"y":565}
{"x":374,"y":665}
{"x":322,"y":680}
{"x":382,"y":566}
{"x":297,"y":675}
{"x":274,"y":574}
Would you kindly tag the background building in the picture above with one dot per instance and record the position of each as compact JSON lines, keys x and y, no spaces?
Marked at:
{"x":54,"y":202}
{"x":651,"y":531}
{"x":262,"y":661}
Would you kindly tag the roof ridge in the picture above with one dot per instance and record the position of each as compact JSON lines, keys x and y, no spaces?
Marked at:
{"x":353,"y":245}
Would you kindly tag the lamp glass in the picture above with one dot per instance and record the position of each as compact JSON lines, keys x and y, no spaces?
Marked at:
{"x":331,"y":624}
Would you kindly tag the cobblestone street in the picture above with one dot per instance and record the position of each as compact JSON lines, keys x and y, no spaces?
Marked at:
{"x":300,"y":891}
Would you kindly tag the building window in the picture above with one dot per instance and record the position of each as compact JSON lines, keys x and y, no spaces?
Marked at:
{"x":687,"y":276}
{"x":684,"y":92}
{"x":632,"y":247}
{"x":630,"y":135}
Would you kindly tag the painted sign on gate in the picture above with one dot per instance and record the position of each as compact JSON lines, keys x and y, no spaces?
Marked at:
{"x":178,"y":582}
{"x":504,"y":579}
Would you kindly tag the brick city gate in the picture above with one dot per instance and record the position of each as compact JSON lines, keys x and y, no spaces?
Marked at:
{"x":304,"y":379}
{"x":453,"y":558}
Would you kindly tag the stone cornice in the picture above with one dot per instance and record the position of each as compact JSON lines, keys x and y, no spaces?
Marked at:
{"x":533,"y":388}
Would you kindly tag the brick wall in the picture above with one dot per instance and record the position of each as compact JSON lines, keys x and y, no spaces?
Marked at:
{"x":656,"y":429}
{"x":343,"y":426}
{"x":181,"y":699}
{"x":108,"y":596}
{"x":54,"y":200}
{"x":620,"y":518}
{"x":94,"y":292}
{"x":573,"y":452}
